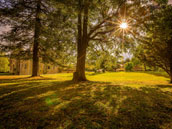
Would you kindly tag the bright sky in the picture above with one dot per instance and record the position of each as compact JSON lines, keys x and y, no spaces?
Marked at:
{"x":170,"y":1}
{"x":3,"y":29}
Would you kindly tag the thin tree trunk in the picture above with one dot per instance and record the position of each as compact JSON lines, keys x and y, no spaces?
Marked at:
{"x":35,"y":66}
{"x":79,"y":75}
{"x":171,"y":78}
{"x":19,"y":61}
{"x":170,"y":58}
{"x":145,"y":67}
{"x":171,"y":67}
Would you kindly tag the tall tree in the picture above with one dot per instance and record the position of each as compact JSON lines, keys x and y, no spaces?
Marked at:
{"x":157,"y":43}
{"x":34,"y":28}
{"x":37,"y":31}
{"x":99,"y":21}
{"x":90,"y":30}
{"x":24,"y":19}
{"x":82,"y":42}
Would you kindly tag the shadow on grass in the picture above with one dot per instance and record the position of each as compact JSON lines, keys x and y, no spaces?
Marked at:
{"x":90,"y":105}
{"x":22,"y":79}
{"x":165,"y":86}
{"x":96,"y":73}
{"x":5,"y":74}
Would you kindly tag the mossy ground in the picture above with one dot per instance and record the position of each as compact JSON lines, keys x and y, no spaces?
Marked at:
{"x":108,"y":101}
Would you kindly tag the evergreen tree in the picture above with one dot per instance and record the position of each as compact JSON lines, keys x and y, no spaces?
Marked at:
{"x":30,"y":24}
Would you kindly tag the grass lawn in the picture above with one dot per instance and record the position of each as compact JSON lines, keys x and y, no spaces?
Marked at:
{"x":108,"y":101}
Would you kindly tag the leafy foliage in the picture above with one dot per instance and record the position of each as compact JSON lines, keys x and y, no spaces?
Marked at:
{"x":156,"y":48}
{"x":20,"y":16}
{"x":128,"y":67}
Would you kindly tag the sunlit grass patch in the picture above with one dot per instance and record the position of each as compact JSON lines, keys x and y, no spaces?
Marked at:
{"x":13,"y":77}
{"x":60,"y":76}
{"x":132,"y":78}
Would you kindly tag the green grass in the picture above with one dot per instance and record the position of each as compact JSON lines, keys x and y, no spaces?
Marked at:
{"x":108,"y":101}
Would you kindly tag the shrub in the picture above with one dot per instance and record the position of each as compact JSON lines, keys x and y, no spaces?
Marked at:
{"x":129,"y":66}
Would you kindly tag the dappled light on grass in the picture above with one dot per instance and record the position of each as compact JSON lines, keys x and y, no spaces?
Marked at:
{"x":51,"y":103}
{"x":41,"y":95}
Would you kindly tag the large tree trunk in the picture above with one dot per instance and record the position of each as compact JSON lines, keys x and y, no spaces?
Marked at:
{"x":35,"y":65}
{"x":82,"y":43}
{"x":79,"y":75}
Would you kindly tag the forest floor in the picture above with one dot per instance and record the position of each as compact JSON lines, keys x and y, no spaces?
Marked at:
{"x":108,"y":101}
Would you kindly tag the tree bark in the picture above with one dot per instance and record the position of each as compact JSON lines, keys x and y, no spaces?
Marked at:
{"x":171,"y":65}
{"x":82,"y":43}
{"x":18,"y":66}
{"x":145,"y":69}
{"x":170,"y":58}
{"x":35,"y":65}
{"x":79,"y":75}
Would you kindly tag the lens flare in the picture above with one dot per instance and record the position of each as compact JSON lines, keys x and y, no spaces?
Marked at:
{"x":124,"y":25}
